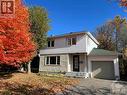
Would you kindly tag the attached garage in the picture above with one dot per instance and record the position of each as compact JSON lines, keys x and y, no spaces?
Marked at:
{"x":103,"y":69}
{"x":103,"y":64}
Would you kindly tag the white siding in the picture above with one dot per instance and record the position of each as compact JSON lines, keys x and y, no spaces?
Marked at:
{"x":58,"y":43}
{"x":90,"y":44}
{"x":62,"y":47}
{"x":85,"y":43}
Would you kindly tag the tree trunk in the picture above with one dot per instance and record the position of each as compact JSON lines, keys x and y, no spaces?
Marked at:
{"x":22,"y":69}
{"x":29,"y":67}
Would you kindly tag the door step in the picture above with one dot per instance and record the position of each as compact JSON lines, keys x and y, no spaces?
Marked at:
{"x":76,"y":74}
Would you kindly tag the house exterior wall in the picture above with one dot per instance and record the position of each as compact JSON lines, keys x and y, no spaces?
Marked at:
{"x":82,"y":62}
{"x":63,"y":67}
{"x":66,"y":63}
{"x":61,"y":42}
{"x":84,"y":45}
{"x":62,"y":47}
{"x":58,"y":43}
{"x":90,"y":44}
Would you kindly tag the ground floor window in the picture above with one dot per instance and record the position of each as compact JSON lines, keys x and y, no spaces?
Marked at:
{"x":53,"y":60}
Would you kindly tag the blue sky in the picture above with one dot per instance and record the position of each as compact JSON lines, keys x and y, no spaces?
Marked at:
{"x":77,"y":15}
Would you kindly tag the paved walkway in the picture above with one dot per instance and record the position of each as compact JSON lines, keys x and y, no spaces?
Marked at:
{"x":90,"y":87}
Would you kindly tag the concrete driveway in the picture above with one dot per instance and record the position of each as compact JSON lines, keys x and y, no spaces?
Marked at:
{"x":90,"y":87}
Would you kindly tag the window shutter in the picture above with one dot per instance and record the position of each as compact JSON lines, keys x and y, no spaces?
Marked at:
{"x":58,"y":60}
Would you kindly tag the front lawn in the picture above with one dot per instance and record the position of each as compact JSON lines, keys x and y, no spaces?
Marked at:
{"x":33,"y":84}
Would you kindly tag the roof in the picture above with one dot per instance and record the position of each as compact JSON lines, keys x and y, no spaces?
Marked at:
{"x":75,"y":33}
{"x":102,"y":52}
{"x":67,"y":34}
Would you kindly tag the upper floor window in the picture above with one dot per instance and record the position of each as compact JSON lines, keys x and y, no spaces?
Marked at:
{"x":69,"y":41}
{"x":50,"y":43}
{"x":72,"y":41}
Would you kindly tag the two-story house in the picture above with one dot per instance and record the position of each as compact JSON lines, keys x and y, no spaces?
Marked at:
{"x":76,"y":53}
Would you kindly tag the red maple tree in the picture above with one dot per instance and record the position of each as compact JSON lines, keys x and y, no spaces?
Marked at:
{"x":16,"y":45}
{"x":123,"y":3}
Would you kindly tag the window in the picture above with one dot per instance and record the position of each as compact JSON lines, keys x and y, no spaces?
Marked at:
{"x":72,"y":41}
{"x":52,"y":60}
{"x":48,"y":43}
{"x":69,"y":41}
{"x":51,"y":43}
{"x":55,"y":60}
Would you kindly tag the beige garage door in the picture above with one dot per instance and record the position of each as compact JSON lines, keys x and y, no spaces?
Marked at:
{"x":103,"y":69}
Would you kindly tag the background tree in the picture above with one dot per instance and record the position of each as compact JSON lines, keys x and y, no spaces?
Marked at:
{"x":119,"y":24}
{"x":121,"y":41}
{"x":39,"y":25}
{"x":113,"y":36}
{"x":125,"y":53}
{"x":105,"y":36}
{"x":16,"y":45}
{"x":122,"y":38}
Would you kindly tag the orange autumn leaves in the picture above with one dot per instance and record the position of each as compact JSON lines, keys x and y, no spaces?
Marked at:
{"x":16,"y":45}
{"x":123,"y":3}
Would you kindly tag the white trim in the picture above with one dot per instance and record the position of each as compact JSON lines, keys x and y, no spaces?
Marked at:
{"x":71,"y":40}
{"x":86,"y":69}
{"x":56,"y":60}
{"x":49,"y":60}
{"x":68,"y":64}
{"x":45,"y":62}
{"x":116,"y":67}
{"x":45,"y":59}
{"x":93,"y":38}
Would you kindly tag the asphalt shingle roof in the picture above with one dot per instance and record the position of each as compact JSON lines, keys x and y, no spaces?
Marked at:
{"x":67,"y":34}
{"x":101,"y":52}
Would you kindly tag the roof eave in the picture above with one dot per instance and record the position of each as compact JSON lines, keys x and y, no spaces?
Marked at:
{"x":93,"y":38}
{"x":59,"y":36}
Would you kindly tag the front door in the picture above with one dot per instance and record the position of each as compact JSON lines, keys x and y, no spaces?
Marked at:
{"x":76,"y":63}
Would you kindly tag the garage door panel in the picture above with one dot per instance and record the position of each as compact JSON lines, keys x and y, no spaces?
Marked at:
{"x":103,"y":69}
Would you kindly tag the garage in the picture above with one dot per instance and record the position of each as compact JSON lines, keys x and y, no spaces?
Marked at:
{"x":103,"y":69}
{"x":103,"y":64}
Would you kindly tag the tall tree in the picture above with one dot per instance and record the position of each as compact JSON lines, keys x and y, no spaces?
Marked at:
{"x":16,"y":45}
{"x":121,"y":42}
{"x":105,"y":36}
{"x":39,"y":25}
{"x":119,"y":24}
